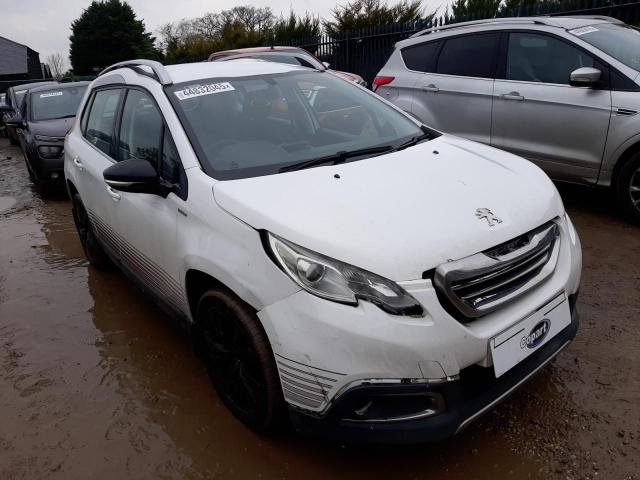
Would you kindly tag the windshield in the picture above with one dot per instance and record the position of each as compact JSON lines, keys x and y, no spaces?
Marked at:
{"x":61,"y":103}
{"x":251,"y":126}
{"x":622,"y":42}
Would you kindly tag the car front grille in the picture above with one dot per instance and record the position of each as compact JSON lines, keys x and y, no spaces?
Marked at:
{"x":480,"y":284}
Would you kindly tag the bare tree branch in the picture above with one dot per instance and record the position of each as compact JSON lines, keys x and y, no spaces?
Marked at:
{"x":57,"y":64}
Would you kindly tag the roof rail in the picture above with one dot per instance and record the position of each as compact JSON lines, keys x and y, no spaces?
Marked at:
{"x":589,"y":17}
{"x":538,"y":20}
{"x":158,"y":71}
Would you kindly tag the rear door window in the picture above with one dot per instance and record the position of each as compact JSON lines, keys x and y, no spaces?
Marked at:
{"x":101,"y":119}
{"x":421,"y":58}
{"x":469,"y":56}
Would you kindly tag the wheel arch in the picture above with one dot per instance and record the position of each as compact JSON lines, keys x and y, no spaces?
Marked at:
{"x":197,"y":283}
{"x":622,"y":159}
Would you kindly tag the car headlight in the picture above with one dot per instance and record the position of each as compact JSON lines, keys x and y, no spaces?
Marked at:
{"x":340,"y":282}
{"x":48,"y":151}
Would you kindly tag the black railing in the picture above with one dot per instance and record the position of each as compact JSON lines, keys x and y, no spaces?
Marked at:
{"x":366,"y":51}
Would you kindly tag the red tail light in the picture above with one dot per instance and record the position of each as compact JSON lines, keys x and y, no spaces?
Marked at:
{"x":380,"y":81}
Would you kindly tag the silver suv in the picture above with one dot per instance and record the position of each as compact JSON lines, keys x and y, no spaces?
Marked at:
{"x":563,"y":92}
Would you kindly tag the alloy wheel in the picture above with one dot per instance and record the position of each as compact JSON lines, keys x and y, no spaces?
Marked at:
{"x":231,"y":360}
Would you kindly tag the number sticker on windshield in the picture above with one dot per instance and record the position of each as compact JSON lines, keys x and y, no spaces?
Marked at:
{"x":50,"y":94}
{"x":582,"y":30}
{"x":199,"y":90}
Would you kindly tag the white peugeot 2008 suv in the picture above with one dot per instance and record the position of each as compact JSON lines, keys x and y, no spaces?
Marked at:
{"x":337,"y":262}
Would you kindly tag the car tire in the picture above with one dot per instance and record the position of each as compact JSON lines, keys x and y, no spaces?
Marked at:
{"x":12,"y":140}
{"x":236,"y":351}
{"x":92,"y":249}
{"x":32,"y":176}
{"x":628,"y":188}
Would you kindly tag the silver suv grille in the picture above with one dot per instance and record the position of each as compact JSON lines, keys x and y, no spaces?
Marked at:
{"x":481,"y":283}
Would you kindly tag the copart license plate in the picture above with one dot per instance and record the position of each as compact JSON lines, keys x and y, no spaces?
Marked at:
{"x":518,"y":342}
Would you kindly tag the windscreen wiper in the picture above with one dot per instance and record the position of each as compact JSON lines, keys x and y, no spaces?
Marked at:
{"x":427,"y":134}
{"x":336,"y":158}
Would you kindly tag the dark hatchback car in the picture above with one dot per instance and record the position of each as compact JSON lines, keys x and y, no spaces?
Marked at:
{"x":47,"y":115}
{"x":11,"y":111}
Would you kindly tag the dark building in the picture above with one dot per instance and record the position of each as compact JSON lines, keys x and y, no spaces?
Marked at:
{"x":18,"y":62}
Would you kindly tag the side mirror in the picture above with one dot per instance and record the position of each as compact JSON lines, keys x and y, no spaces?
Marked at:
{"x":134,"y":176}
{"x":5,"y":108}
{"x":15,"y":121}
{"x":326,"y":64}
{"x":585,"y":77}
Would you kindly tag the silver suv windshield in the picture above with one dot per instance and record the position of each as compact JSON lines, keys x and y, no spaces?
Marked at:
{"x":622,"y":42}
{"x":261,"y":125}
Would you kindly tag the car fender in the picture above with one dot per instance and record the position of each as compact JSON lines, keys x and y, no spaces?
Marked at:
{"x":244,"y":267}
{"x":610,"y":162}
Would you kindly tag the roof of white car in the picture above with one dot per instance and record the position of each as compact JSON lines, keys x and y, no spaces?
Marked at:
{"x":238,"y":68}
{"x":188,"y":72}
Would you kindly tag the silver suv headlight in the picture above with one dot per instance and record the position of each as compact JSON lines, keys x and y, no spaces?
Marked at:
{"x":340,"y":282}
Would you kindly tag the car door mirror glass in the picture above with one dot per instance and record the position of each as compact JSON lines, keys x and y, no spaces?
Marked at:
{"x":585,"y":77}
{"x":134,"y":176}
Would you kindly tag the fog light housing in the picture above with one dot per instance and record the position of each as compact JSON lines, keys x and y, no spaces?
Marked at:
{"x":396,"y":407}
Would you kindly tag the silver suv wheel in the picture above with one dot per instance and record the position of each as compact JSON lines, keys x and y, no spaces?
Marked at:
{"x":628,"y":187}
{"x":634,"y":189}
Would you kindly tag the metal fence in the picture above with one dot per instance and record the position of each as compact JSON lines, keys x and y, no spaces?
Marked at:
{"x":365,"y":51}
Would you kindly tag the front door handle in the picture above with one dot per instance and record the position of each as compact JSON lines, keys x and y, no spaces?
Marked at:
{"x":430,"y":88}
{"x":512,"y":96}
{"x":115,"y":196}
{"x":77,"y":163}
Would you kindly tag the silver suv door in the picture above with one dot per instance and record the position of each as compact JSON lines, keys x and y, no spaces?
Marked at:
{"x":538,"y":115}
{"x":456,"y":95}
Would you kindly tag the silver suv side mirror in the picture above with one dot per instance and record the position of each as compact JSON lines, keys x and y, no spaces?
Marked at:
{"x":585,"y":77}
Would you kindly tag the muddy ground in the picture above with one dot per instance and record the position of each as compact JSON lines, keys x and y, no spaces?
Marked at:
{"x":96,"y":383}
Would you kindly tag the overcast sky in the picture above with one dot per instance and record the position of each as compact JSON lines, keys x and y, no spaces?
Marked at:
{"x":45,"y":25}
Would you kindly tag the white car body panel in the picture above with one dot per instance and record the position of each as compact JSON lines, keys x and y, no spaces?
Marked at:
{"x":397,"y":215}
{"x":381,"y":214}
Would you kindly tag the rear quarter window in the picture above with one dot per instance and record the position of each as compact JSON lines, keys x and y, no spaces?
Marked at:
{"x":421,"y":58}
{"x":469,"y":56}
{"x":101,"y":119}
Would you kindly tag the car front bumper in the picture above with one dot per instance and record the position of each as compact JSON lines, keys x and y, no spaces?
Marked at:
{"x":47,"y":170}
{"x":331,"y":357}
{"x":474,"y":392}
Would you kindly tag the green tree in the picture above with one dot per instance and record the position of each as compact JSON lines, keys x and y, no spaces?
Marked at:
{"x":512,"y":6}
{"x":194,"y":40}
{"x":108,"y":32}
{"x":358,"y":14}
{"x":293,"y":27}
{"x":475,"y":8}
